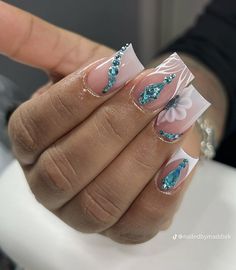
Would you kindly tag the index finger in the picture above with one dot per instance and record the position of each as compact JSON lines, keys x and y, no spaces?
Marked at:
{"x":29,"y":39}
{"x":44,"y":119}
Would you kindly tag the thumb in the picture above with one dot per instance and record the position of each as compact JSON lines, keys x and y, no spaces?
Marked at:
{"x":30,"y":40}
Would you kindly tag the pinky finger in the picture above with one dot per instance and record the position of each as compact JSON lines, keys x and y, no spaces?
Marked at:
{"x":155,"y":207}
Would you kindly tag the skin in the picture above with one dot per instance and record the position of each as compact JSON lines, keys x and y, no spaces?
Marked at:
{"x":74,"y":148}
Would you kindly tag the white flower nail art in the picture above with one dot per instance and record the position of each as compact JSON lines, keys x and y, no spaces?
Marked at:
{"x":177,"y":108}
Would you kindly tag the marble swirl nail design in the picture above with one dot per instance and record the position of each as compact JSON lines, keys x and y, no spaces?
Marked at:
{"x":180,"y":113}
{"x":175,"y":171}
{"x":162,"y":83}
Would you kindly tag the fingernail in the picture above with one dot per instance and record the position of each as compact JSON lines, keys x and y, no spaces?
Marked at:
{"x":160,"y":85}
{"x":180,"y":114}
{"x":176,"y":170}
{"x":114,"y":72}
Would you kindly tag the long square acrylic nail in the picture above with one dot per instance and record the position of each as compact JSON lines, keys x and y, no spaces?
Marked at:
{"x":112,"y":73}
{"x":162,"y":83}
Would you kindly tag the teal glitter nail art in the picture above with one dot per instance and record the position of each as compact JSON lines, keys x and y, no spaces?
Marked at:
{"x":169,"y":136}
{"x":114,"y":69}
{"x":173,"y":176}
{"x":152,"y":91}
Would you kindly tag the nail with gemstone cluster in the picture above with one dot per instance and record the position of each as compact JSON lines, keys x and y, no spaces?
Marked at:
{"x":114,"y":69}
{"x":112,"y":73}
{"x":175,"y":171}
{"x":162,"y":83}
{"x":152,"y":91}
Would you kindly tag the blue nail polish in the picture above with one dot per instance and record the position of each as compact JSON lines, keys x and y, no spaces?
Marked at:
{"x":114,"y":69}
{"x":173,"y":176}
{"x":152,"y":91}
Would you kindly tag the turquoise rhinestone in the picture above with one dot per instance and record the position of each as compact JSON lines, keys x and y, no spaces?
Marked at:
{"x":173,"y":176}
{"x":169,"y":78}
{"x":118,"y":56}
{"x":169,"y":136}
{"x":152,"y":91}
{"x":114,"y":69}
{"x":116,"y":62}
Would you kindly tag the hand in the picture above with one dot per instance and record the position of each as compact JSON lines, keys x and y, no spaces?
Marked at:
{"x":94,"y":159}
{"x":30,"y":40}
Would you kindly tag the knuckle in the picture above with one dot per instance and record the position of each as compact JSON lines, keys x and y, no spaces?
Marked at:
{"x":53,"y":170}
{"x":99,"y":212}
{"x":110,"y":124}
{"x":143,"y":157}
{"x":59,"y":106}
{"x":15,"y":51}
{"x":22,"y":135}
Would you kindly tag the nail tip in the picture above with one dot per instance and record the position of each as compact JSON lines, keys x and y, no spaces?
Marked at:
{"x":137,"y":63}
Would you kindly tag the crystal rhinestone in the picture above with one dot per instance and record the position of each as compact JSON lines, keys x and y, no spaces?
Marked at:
{"x":118,"y":56}
{"x":173,"y":176}
{"x":169,"y":78}
{"x":113,"y":70}
{"x":152,"y":91}
{"x":169,"y":136}
{"x":170,"y":179}
{"x":116,"y":62}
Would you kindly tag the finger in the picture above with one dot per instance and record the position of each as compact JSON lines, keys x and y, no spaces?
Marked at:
{"x":42,"y":89}
{"x":155,"y":207}
{"x":91,"y":147}
{"x":30,"y":40}
{"x":47,"y":117}
{"x":102,"y":203}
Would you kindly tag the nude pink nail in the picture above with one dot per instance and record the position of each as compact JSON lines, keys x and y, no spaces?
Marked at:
{"x":180,"y":113}
{"x":160,"y":85}
{"x":175,"y":171}
{"x":114,"y":72}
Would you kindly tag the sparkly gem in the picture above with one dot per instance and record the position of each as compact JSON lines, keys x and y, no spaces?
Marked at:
{"x":173,"y":176}
{"x":169,"y":136}
{"x":114,"y":69}
{"x":116,"y":62}
{"x":169,"y":78}
{"x":152,"y":91}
